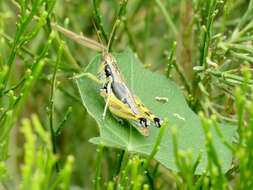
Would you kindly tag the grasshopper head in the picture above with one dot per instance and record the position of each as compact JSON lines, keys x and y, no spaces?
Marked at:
{"x":108,"y":59}
{"x":107,"y":66}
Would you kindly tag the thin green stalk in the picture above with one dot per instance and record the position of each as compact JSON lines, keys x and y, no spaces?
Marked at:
{"x":156,"y":147}
{"x":216,"y":172}
{"x":170,"y":64}
{"x":24,"y":49}
{"x":217,"y":128}
{"x":66,"y":117}
{"x":124,"y":175}
{"x":56,"y":42}
{"x":98,"y":18}
{"x":247,"y":15}
{"x":19,"y":39}
{"x":119,"y":160}
{"x":197,"y":161}
{"x":150,"y":180}
{"x":167,"y":18}
{"x":62,"y":89}
{"x":200,"y":180}
{"x":122,"y":12}
{"x":8,"y":125}
{"x":2,"y":58}
{"x":182,"y":76}
{"x":124,"y":161}
{"x":240,"y":103}
{"x":237,"y":34}
{"x":62,"y":179}
{"x":29,"y":156}
{"x":210,"y":7}
{"x":186,"y":167}
{"x":242,"y":47}
{"x":98,"y":168}
{"x":51,"y":112}
{"x":68,"y":94}
{"x":177,"y":179}
{"x":134,"y":174}
{"x":28,"y":86}
{"x":155,"y":170}
{"x":24,"y":93}
{"x":21,"y":82}
{"x":242,"y":56}
{"x":243,"y":39}
{"x":226,"y":75}
{"x":227,"y":8}
{"x":40,"y":130}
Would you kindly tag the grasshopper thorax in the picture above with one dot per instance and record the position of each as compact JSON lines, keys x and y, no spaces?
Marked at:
{"x":105,"y":68}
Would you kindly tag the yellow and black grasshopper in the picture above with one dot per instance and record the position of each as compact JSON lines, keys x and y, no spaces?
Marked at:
{"x":119,"y":98}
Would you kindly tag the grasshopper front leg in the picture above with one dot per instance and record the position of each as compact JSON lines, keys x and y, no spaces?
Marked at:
{"x":109,"y":92}
{"x":106,"y":84}
{"x":90,"y":76}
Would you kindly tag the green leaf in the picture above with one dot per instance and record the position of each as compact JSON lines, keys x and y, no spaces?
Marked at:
{"x":147,"y":86}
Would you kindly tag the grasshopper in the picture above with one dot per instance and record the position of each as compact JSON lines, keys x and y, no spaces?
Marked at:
{"x":122,"y":103}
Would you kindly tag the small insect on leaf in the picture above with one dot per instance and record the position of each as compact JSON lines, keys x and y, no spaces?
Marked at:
{"x":118,"y":97}
{"x":162,"y":99}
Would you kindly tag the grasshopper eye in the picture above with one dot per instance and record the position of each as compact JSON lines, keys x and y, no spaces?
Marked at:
{"x":107,"y":71}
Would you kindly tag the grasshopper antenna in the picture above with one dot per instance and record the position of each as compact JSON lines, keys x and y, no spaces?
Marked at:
{"x":99,"y":38}
{"x":111,"y":35}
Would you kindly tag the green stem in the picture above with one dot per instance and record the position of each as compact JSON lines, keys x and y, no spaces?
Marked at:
{"x":156,"y":147}
{"x":98,"y":18}
{"x":217,"y":128}
{"x":124,"y":161}
{"x":98,"y":168}
{"x":68,"y":94}
{"x":167,"y":18}
{"x":51,"y":113}
{"x":124,"y":175}
{"x":122,"y":12}
{"x":247,"y":15}
{"x":227,"y":8}
{"x":66,"y":117}
{"x":182,"y":76}
{"x":170,"y":64}
{"x":18,"y":40}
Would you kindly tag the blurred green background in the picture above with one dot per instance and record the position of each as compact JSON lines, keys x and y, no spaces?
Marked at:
{"x":150,"y":33}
